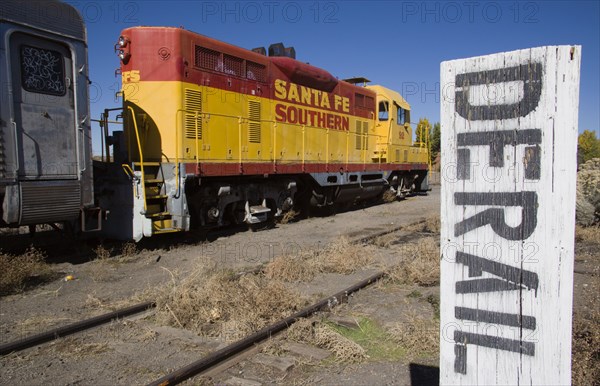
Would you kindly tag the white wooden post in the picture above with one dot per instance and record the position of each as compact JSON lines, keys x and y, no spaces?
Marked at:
{"x":509,"y":142}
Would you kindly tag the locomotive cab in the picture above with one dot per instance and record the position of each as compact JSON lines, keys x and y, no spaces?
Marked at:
{"x":393,"y":124}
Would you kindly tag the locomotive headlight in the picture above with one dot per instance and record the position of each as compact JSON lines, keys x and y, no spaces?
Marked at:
{"x":124,"y":55}
{"x":123,"y":41}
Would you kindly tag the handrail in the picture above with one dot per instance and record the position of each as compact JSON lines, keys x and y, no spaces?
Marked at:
{"x":240,"y":142}
{"x":303,"y":148}
{"x":137,"y":136}
{"x":275,"y":145}
{"x":365,"y":138}
{"x":128,"y":170}
{"x":327,"y":150}
{"x":274,"y":142}
{"x":197,"y":150}
{"x":177,"y":143}
{"x":16,"y":142}
{"x":347,"y":148}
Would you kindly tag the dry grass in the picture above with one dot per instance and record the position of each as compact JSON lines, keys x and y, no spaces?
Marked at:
{"x":75,"y":348}
{"x":301,"y":331}
{"x":18,"y":272}
{"x":586,"y":349}
{"x":273,"y":347}
{"x":389,"y":196}
{"x":344,"y":349}
{"x":418,"y":336}
{"x":587,"y":234}
{"x":288,"y":216}
{"x":102,"y":253}
{"x":106,"y":264}
{"x":420,"y":265}
{"x":429,"y":225}
{"x":340,"y":257}
{"x":225,"y":305}
{"x":129,"y":250}
{"x":587,"y":244}
{"x":107,"y":304}
{"x":35,"y":324}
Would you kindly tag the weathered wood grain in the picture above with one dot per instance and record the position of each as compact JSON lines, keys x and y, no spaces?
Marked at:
{"x":509,"y":140}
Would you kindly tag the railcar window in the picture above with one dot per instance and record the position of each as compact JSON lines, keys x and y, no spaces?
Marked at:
{"x":383,"y":111}
{"x":401,"y":115}
{"x":42,"y":71}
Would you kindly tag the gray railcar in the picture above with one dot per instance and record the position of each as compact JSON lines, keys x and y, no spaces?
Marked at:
{"x":45,"y":141}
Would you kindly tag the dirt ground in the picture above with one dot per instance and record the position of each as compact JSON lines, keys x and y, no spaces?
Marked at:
{"x":140,"y":349}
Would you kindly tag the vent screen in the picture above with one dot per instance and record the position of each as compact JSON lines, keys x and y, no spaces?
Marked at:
{"x":362,"y":135}
{"x":255,"y":71}
{"x":193,"y":104}
{"x":254,"y":122}
{"x":358,"y":135}
{"x":207,"y":58}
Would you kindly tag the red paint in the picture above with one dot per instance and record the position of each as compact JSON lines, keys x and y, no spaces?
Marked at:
{"x":261,"y":168}
{"x":304,"y":74}
{"x":168,"y":54}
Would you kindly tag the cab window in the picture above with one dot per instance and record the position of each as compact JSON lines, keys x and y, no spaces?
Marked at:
{"x":383,"y":111}
{"x":401,"y":116}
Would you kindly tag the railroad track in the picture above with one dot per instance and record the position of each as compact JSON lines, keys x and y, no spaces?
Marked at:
{"x":73,"y":328}
{"x":203,"y":364}
{"x":215,"y":359}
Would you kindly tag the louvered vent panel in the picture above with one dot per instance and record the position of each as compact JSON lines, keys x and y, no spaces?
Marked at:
{"x":193,"y":104}
{"x":49,"y":201}
{"x":358,"y":135}
{"x":254,"y":122}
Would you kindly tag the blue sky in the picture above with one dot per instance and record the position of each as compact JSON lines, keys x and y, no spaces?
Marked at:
{"x":398,"y":44}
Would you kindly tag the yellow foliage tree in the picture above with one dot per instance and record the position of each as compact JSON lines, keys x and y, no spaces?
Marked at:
{"x":588,"y":146}
{"x":423,"y":130}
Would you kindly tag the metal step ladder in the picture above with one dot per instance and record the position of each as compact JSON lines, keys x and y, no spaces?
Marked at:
{"x":155,"y":200}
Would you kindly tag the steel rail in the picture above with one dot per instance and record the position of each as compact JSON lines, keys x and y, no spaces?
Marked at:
{"x":233,"y":349}
{"x":73,"y":328}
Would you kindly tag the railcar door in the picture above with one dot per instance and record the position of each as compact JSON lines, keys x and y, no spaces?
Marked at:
{"x":43,"y":102}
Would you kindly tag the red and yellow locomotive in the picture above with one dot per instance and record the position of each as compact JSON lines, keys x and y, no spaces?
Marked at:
{"x":216,"y":134}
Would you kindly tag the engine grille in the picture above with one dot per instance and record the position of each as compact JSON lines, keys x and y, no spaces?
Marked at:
{"x":254,"y":134}
{"x":193,"y":103}
{"x":50,"y":201}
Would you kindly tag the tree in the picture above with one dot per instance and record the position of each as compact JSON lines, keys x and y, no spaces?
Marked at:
{"x":435,"y":140}
{"x":588,"y":146}
{"x":423,"y":130}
